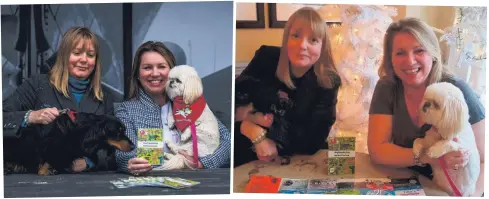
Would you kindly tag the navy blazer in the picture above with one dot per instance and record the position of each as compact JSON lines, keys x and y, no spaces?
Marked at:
{"x":37,"y":93}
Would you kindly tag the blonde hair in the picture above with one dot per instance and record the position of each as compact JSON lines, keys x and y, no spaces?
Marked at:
{"x":325,"y":65}
{"x":59,"y":74}
{"x":425,"y":36}
{"x":149,"y":46}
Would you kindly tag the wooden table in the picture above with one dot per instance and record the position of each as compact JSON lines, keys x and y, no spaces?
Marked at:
{"x":315,"y":167}
{"x":212,"y":181}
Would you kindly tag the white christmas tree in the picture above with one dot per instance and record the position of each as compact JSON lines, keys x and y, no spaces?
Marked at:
{"x":467,"y":47}
{"x":358,"y":54}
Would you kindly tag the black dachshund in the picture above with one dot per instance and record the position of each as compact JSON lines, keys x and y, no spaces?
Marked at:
{"x":51,"y":149}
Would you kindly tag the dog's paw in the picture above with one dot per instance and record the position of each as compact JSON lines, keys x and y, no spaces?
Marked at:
{"x":46,"y":169}
{"x":185,"y":135}
{"x":435,"y":152}
{"x":168,"y":156}
{"x":417,"y":147}
{"x":172,"y":147}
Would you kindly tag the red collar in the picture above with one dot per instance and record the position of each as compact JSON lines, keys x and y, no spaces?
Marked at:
{"x":71,"y":114}
{"x":186,"y":114}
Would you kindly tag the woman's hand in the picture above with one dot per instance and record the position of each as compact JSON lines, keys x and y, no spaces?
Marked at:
{"x":190,"y":159}
{"x":250,"y":129}
{"x":79,"y":165}
{"x":457,"y":159}
{"x":266,"y":150}
{"x":138,"y":166}
{"x":43,"y":116}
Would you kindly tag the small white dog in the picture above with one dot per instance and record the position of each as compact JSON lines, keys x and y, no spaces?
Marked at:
{"x":444,"y":107}
{"x":184,"y":87}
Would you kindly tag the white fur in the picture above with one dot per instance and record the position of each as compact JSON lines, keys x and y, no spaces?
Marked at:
{"x":451,"y":118}
{"x":190,"y":87}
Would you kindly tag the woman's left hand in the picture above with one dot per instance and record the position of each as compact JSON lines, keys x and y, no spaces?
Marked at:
{"x":191,"y":160}
{"x":266,"y":150}
{"x":457,"y":159}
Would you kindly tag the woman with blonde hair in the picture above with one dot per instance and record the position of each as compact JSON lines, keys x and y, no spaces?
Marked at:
{"x":303,"y":72}
{"x":411,"y":62}
{"x":74,"y":83}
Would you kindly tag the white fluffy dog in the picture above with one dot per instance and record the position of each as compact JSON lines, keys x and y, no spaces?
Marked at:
{"x":184,"y":82}
{"x":444,"y":107}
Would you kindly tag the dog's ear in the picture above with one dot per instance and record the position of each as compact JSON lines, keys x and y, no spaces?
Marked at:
{"x":192,"y":88}
{"x":454,"y":116}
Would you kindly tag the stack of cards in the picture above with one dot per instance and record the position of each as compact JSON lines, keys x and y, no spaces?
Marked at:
{"x":150,"y":181}
{"x":343,"y":186}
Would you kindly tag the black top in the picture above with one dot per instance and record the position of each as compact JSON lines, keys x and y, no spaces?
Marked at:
{"x":314,"y":107}
{"x":37,"y":93}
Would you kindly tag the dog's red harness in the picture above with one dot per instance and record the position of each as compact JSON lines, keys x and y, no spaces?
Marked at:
{"x":444,"y":167}
{"x":185,"y":115}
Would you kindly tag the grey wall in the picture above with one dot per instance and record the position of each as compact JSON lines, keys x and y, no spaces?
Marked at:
{"x":56,"y":19}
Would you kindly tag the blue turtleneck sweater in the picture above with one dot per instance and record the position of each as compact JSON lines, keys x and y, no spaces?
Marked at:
{"x":78,"y":87}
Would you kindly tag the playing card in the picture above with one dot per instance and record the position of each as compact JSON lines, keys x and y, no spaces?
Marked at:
{"x":293,"y":186}
{"x":322,"y":186}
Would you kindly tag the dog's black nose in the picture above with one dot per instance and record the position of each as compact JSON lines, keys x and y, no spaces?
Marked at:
{"x":426,"y":106}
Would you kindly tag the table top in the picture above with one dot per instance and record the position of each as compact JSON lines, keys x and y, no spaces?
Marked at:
{"x":212,"y":181}
{"x":316,"y":167}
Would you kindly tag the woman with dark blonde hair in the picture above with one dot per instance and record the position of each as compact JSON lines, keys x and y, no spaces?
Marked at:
{"x":74,"y":83}
{"x":411,"y":62}
{"x":148,"y":107}
{"x":303,"y":71}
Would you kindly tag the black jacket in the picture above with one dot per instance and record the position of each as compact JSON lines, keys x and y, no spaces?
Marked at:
{"x":37,"y":93}
{"x":314,"y":107}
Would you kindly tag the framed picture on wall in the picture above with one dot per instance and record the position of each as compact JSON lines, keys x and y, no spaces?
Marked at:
{"x":279,"y":13}
{"x":250,"y":15}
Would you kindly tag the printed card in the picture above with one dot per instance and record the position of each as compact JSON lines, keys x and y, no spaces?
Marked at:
{"x":341,"y":155}
{"x":293,"y":186}
{"x":322,"y":186}
{"x":150,"y":145}
{"x":408,"y":187}
{"x":263,"y":184}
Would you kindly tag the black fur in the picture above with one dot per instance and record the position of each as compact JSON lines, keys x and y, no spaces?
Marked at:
{"x":63,"y":141}
{"x":265,"y":98}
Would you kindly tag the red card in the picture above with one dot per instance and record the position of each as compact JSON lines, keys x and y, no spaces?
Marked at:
{"x":263,"y":184}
